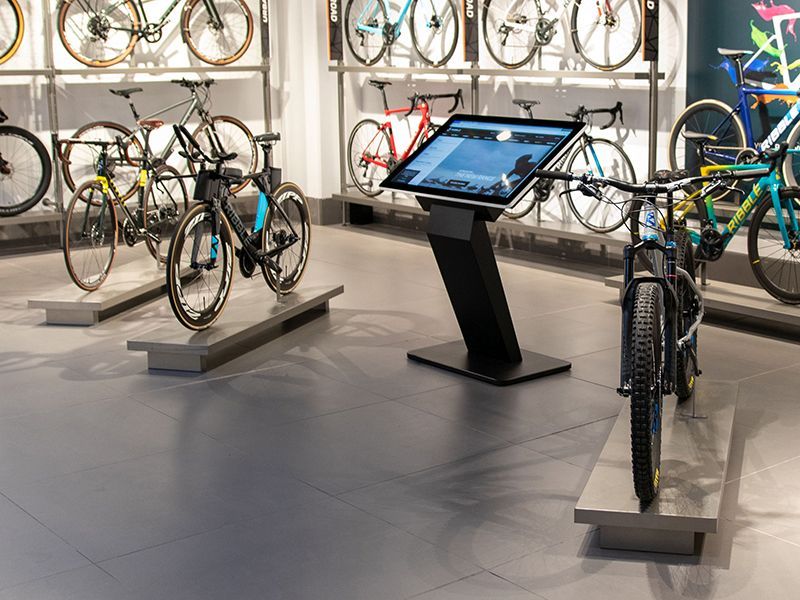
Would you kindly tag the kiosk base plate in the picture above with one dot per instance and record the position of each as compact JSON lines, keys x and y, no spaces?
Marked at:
{"x":453,"y":356}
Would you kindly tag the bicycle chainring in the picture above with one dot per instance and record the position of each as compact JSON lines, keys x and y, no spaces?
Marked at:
{"x":247,"y":264}
{"x":748,"y":156}
{"x":711,"y":246}
{"x":389,"y":34}
{"x":152,"y":33}
{"x":545,"y":31}
{"x":129,"y":233}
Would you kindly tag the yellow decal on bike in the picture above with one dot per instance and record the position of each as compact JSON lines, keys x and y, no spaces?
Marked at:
{"x":103,"y":181}
{"x":756,"y":261}
{"x":143,"y":178}
{"x":744,"y":210}
{"x":656,"y":477}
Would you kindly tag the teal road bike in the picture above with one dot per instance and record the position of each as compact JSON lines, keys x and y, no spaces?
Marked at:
{"x":371,"y":31}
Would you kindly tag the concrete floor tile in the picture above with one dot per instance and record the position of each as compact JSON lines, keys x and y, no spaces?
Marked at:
{"x":84,"y":583}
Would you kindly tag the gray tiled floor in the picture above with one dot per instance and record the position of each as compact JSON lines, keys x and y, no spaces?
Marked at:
{"x":327,"y":466}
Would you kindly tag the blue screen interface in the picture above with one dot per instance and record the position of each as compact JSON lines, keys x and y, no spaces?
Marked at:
{"x":490,"y":159}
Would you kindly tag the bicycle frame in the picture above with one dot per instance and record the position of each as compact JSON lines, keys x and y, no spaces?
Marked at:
{"x":371,"y":11}
{"x":424,"y":109}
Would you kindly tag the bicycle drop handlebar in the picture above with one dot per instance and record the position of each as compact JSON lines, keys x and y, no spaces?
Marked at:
{"x":614,"y":112}
{"x":458,"y":98}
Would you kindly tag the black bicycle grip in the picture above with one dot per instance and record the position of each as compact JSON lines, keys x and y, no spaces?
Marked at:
{"x":560,"y":175}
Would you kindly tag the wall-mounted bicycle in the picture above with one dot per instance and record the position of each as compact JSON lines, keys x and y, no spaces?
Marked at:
{"x":25,"y":169}
{"x":12,"y":28}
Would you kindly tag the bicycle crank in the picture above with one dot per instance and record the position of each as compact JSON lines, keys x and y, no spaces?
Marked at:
{"x":152,"y":33}
{"x":130,"y":234}
{"x":545,"y":31}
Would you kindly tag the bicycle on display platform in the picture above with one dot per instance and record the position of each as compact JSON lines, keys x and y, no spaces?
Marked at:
{"x":101,"y":33}
{"x":773,"y":236}
{"x":372,"y":150}
{"x":591,"y":154}
{"x":97,"y":210}
{"x":370,"y":32}
{"x":606,"y":34}
{"x":214,"y":131}
{"x":202,"y":247}
{"x":661,"y":311}
{"x":12,"y":28}
{"x":25,"y":169}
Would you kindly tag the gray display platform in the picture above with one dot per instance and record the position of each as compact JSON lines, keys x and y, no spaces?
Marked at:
{"x":248,"y":321}
{"x":694,"y":461}
{"x":127,"y":286}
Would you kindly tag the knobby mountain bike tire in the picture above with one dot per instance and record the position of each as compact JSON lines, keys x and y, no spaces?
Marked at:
{"x":198,"y":27}
{"x":628,"y":41}
{"x":776,"y":268}
{"x":294,"y":259}
{"x":12,"y":29}
{"x":367,"y":138}
{"x":645,"y":360}
{"x":29,"y":169}
{"x":446,"y":14}
{"x":492,"y":15}
{"x":198,"y":295}
{"x":98,"y":40}
{"x":165,"y":202}
{"x":686,"y":368}
{"x":357,"y":40}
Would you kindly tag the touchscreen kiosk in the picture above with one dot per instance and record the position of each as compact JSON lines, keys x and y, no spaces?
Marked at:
{"x":466,"y":174}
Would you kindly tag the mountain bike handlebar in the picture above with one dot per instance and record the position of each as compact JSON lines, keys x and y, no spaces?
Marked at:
{"x":458,"y":98}
{"x":615,"y":111}
{"x":194,"y":83}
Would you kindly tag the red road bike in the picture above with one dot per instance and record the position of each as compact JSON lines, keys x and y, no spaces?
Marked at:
{"x":372,"y":151}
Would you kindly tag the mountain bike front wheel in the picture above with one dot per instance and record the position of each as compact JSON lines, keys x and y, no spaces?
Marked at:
{"x":25,"y":170}
{"x":12,"y":28}
{"x":509,"y":31}
{"x":291,"y":218}
{"x":364,"y":24}
{"x":368,"y":143}
{"x":90,"y":236}
{"x":200,"y":267}
{"x":686,"y":368}
{"x":775,"y":267}
{"x":221,"y":38}
{"x":165,"y":202}
{"x":98,"y":36}
{"x":644,"y":352}
{"x":607,"y":35}
{"x":434,"y":30}
{"x":230,"y":135}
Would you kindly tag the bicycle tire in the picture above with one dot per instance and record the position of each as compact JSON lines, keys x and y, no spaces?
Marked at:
{"x":45,"y":173}
{"x":624,"y":211}
{"x":646,"y":395}
{"x":78,"y":168}
{"x":351,"y":155}
{"x":166,"y":215}
{"x":290,"y":277}
{"x":178,"y":279}
{"x":584,"y":54}
{"x":186,"y":28}
{"x":522,"y":208}
{"x":247,"y":160}
{"x":448,"y":54}
{"x":791,"y":178}
{"x":63,"y":11}
{"x":16,"y":38}
{"x":533,"y":48}
{"x":762,"y":266}
{"x":367,"y":62}
{"x":77,"y":214}
{"x":686,"y":371}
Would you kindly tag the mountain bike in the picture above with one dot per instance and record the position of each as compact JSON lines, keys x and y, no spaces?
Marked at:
{"x":372,"y":152}
{"x":101,"y":33}
{"x":203,"y":246}
{"x":433,"y":25}
{"x":25,"y":169}
{"x":661,"y":311}
{"x":12,"y":28}
{"x":606,"y":34}
{"x":731,"y":138}
{"x":224,"y":131}
{"x":773,"y":237}
{"x":93,"y":214}
{"x":591,"y":154}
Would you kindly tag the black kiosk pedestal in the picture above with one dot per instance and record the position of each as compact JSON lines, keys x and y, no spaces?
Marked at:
{"x":465,"y":175}
{"x":490,"y":351}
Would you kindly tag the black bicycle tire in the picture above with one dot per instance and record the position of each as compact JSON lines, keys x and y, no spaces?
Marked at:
{"x":526,"y":210}
{"x":288,"y":285}
{"x":685,"y":370}
{"x":350,"y":165}
{"x":645,"y":360}
{"x":756,"y":263}
{"x":577,"y":43}
{"x":793,"y":140}
{"x":498,"y":60}
{"x":47,"y":170}
{"x":187,"y":38}
{"x":174,"y":278}
{"x":571,"y":202}
{"x":449,"y":55}
{"x":366,"y":63}
{"x":12,"y":49}
{"x":151,"y":181}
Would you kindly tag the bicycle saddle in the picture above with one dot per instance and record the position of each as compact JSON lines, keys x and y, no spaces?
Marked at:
{"x":377,"y":83}
{"x":150,"y":124}
{"x":266,"y":138}
{"x":733,"y":54}
{"x":694,"y":136}
{"x":126,"y":93}
{"x":666,"y":176}
{"x":525,"y":104}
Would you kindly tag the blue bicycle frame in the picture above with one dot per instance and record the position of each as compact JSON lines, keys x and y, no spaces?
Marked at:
{"x":372,"y":10}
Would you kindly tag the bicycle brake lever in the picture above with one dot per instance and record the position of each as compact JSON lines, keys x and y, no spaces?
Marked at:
{"x":414,"y":99}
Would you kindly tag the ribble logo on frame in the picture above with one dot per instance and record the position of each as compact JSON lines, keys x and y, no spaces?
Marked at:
{"x":650,"y":30}
{"x":265,"y":29}
{"x":335,"y":48}
{"x":471,"y":43}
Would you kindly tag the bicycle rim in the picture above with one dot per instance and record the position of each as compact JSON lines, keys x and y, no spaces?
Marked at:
{"x":26,"y":170}
{"x":605,"y":39}
{"x":367,"y":46}
{"x":776,"y":267}
{"x":165,"y":202}
{"x":12,"y":28}
{"x":434,"y":30}
{"x":90,"y":236}
{"x":293,"y":217}
{"x":509,"y":31}
{"x":96,"y":34}
{"x":218,"y":43}
{"x":368,"y":141}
